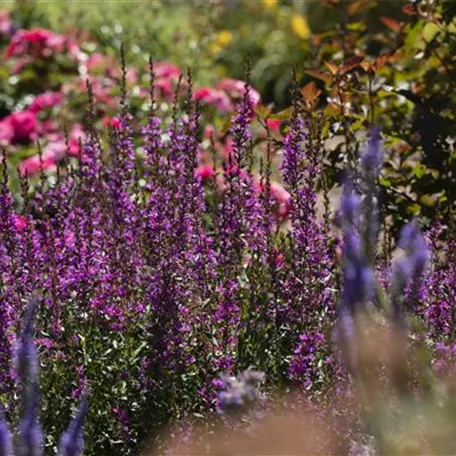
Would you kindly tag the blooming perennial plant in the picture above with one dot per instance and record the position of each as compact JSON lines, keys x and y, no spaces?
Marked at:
{"x":161,"y":270}
{"x":156,"y":281}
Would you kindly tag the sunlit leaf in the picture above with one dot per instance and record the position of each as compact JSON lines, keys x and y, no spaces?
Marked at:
{"x":350,"y":64}
{"x":310,"y":92}
{"x":325,"y":77}
{"x":332,"y":67}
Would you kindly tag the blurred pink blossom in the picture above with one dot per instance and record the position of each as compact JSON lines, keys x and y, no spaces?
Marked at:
{"x":235,"y":88}
{"x":39,"y":43}
{"x":45,"y":100}
{"x":166,"y":70}
{"x":204,"y":171}
{"x":273,"y":124}
{"x":217,"y":98}
{"x":24,"y":125}
{"x":33,"y":165}
{"x":19,"y":223}
{"x":5,"y":24}
{"x":6,"y":130}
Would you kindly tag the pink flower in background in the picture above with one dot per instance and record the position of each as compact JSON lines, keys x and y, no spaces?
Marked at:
{"x":77,"y":133}
{"x":235,"y":88}
{"x":40,"y":43}
{"x":278,"y":193}
{"x":19,"y":223}
{"x":57,"y":146}
{"x":115,"y":123}
{"x":44,"y":101}
{"x":6,"y":130}
{"x":56,"y":149}
{"x":209,"y":131}
{"x":282,"y":197}
{"x":204,"y":171}
{"x":217,"y":98}
{"x":165,"y":88}
{"x":22,"y":39}
{"x":97,"y":62}
{"x":166,"y":70}
{"x":24,"y":124}
{"x":5,"y":24}
{"x":31,"y":166}
{"x":273,"y":124}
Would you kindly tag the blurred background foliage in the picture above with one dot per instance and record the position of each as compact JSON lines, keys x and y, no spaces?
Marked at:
{"x":358,"y":63}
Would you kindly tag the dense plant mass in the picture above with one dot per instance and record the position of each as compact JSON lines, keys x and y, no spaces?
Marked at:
{"x":154,"y":284}
{"x":180,"y":244}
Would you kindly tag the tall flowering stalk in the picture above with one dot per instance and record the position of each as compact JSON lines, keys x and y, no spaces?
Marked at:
{"x":305,"y":295}
{"x":30,"y":439}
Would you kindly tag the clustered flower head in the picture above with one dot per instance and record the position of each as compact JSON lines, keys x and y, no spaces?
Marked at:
{"x":241,"y":392}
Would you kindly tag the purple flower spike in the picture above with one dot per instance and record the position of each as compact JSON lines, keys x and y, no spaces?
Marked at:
{"x":30,"y":432}
{"x":72,"y":440}
{"x":25,"y":360}
{"x":6,"y":446}
{"x":372,"y":158}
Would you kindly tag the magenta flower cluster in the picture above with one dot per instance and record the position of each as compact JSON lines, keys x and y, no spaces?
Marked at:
{"x":156,"y":282}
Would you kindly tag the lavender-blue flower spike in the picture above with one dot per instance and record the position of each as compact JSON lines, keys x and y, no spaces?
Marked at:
{"x":371,"y":163}
{"x":72,"y":440}
{"x":350,"y":205}
{"x":411,"y":265}
{"x":358,"y":280}
{"x":25,"y":359}
{"x":372,"y":158}
{"x":6,"y":446}
{"x":30,"y":441}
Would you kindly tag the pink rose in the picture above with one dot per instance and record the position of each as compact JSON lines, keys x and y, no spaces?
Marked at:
{"x":6,"y":130}
{"x":217,"y":98}
{"x":25,"y":126}
{"x":39,"y":43}
{"x":77,"y":133}
{"x":165,"y":88}
{"x":115,"y":123}
{"x":45,"y":100}
{"x":273,"y":124}
{"x":236,"y":88}
{"x":31,"y":166}
{"x":166,"y":70}
{"x":97,"y":61}
{"x":204,"y":171}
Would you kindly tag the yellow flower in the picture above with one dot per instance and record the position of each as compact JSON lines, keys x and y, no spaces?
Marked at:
{"x":270,"y":4}
{"x":300,"y":26}
{"x":224,"y":38}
